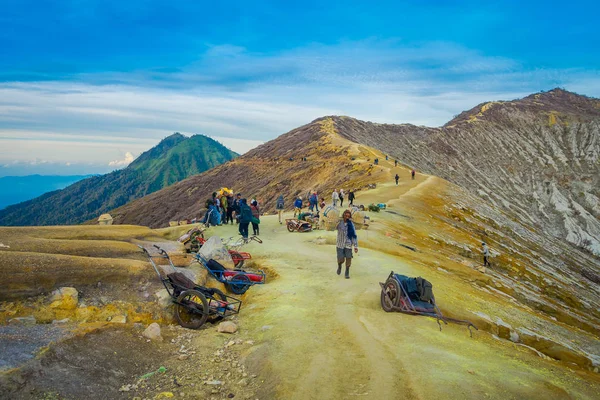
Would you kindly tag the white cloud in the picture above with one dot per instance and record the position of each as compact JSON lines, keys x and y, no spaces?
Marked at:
{"x":124,"y":162}
{"x":243,"y":99}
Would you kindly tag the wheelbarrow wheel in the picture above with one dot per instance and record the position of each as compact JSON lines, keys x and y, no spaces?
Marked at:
{"x":290,"y":227}
{"x":239,"y":265}
{"x":241,"y":286}
{"x":390,"y":295}
{"x":238,"y":260}
{"x":191,"y":309}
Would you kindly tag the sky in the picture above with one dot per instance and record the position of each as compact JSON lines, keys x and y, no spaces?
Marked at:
{"x":86,"y":85}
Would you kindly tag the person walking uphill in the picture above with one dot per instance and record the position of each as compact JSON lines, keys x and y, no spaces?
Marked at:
{"x":335,"y":197}
{"x":412,"y":173}
{"x":346,"y":239}
{"x":396,"y":178}
{"x":486,"y":254}
{"x":279,"y":206}
{"x":351,"y":197}
{"x":341,"y":197}
{"x":245,"y":218}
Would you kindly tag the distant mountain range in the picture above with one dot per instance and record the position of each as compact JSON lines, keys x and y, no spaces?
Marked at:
{"x":16,"y":189}
{"x":173,"y":159}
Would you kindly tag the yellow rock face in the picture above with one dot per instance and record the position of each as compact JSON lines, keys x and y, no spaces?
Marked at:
{"x":65,"y":298}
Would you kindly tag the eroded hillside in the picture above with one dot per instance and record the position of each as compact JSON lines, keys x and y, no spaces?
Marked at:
{"x":537,"y":158}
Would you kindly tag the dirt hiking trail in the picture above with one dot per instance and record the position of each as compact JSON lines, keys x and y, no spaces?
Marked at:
{"x":326,"y":337}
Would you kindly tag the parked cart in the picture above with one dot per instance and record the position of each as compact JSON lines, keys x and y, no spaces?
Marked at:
{"x":233,"y":247}
{"x":414,"y":296}
{"x":194,"y":304}
{"x":295,"y":225}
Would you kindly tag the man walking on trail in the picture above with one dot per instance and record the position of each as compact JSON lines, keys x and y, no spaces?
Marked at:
{"x":396,"y":178}
{"x":351,"y":197}
{"x":341,"y":197}
{"x":245,"y":218}
{"x":346,"y":239}
{"x":335,"y":197}
{"x":412,"y":173}
{"x":486,"y":255}
{"x":279,"y":207}
{"x":395,"y":163}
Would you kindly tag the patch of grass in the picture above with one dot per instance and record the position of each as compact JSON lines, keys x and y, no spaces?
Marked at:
{"x":328,"y":126}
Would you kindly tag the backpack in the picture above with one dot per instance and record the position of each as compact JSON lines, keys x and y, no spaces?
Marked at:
{"x":425,"y":289}
{"x":280,"y":204}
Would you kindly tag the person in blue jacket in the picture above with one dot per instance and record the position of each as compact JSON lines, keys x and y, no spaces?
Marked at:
{"x":245,"y":218}
{"x":212,"y":214}
{"x":297,"y":206}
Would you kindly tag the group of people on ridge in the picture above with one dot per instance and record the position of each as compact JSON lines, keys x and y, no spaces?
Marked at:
{"x":225,"y":208}
{"x":314,"y":203}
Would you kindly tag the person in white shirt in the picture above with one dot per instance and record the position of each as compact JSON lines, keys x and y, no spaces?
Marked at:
{"x":335,"y":197}
{"x":346,"y":239}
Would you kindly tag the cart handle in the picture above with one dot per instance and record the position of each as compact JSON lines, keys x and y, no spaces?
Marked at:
{"x":161,"y":251}
{"x":256,"y":238}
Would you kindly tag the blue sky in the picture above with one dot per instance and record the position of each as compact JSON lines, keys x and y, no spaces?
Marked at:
{"x":83,"y":83}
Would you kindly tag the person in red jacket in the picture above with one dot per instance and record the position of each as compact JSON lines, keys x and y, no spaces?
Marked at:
{"x":256,"y":214}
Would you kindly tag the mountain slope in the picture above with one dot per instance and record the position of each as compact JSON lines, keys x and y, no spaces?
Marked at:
{"x":274,"y":168}
{"x":173,"y":159}
{"x":537,"y":158}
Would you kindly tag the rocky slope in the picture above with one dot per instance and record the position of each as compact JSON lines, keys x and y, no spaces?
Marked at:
{"x":537,"y":158}
{"x":173,"y":159}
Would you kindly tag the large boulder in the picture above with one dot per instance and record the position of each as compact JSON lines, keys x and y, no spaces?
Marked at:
{"x":227,"y":327}
{"x":153,"y":332}
{"x":64,"y":298}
